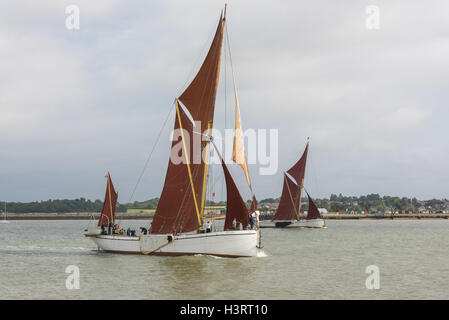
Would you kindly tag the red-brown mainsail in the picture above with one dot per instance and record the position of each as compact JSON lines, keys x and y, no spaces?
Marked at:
{"x":110,"y":202}
{"x":313,"y":212}
{"x":178,"y":207}
{"x":288,"y":204}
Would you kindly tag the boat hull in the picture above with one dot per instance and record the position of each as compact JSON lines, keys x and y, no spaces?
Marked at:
{"x":313,"y":223}
{"x":226,"y":243}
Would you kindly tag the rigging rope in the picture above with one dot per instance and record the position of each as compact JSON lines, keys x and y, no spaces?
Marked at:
{"x":198,"y":59}
{"x":151,"y":153}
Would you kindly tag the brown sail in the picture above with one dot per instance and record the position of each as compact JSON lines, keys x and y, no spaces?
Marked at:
{"x":235,"y":206}
{"x":313,"y":212}
{"x":298,"y":170}
{"x":110,"y":202}
{"x":180,"y":198}
{"x":288,"y":208}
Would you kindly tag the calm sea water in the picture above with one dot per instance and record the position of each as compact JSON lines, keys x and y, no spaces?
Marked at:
{"x":412,"y":256}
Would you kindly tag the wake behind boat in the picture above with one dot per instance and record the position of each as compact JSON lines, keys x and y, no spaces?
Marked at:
{"x":177,"y":227}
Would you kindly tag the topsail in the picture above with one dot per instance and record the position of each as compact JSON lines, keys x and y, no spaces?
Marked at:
{"x":298,"y":171}
{"x":238,"y":151}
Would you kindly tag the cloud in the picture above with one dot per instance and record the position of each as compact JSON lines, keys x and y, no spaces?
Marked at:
{"x":75,"y":104}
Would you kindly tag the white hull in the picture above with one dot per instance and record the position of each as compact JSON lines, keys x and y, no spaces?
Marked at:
{"x":226,"y":243}
{"x":314,"y":223}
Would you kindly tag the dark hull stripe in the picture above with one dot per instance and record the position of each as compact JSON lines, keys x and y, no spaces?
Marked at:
{"x":176,"y":254}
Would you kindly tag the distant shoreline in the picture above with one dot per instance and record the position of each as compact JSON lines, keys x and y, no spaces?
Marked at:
{"x":75,"y":216}
{"x":142,"y":216}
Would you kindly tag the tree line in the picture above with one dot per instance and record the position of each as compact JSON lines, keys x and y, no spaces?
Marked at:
{"x":74,"y":205}
{"x":335,"y":203}
{"x":372,"y":202}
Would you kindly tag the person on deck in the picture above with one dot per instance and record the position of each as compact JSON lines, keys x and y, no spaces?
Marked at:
{"x":208,"y":226}
{"x":234,"y":224}
{"x":109,"y":227}
{"x":251,"y":221}
{"x":128,"y":232}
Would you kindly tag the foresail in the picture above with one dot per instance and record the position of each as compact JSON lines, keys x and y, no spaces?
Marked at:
{"x":178,"y":207}
{"x":235,"y":206}
{"x":110,"y":202}
{"x":313,"y":212}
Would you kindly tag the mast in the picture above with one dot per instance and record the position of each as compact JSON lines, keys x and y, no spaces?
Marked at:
{"x":298,"y":172}
{"x":182,"y":195}
{"x":203,"y":194}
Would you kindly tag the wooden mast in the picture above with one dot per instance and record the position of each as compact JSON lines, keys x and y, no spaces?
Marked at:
{"x":203,"y":193}
{"x":301,"y":185}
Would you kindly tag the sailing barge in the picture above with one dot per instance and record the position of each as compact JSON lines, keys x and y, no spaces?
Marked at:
{"x":177,"y":227}
{"x":288,"y":212}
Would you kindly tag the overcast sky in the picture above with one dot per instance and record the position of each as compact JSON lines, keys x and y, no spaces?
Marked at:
{"x":77,"y":103}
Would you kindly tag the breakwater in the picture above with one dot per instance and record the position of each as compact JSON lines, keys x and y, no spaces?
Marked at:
{"x":336,"y":216}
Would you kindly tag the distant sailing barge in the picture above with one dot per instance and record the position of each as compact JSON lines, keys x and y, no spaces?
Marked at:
{"x":287,"y":213}
{"x":177,"y":227}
